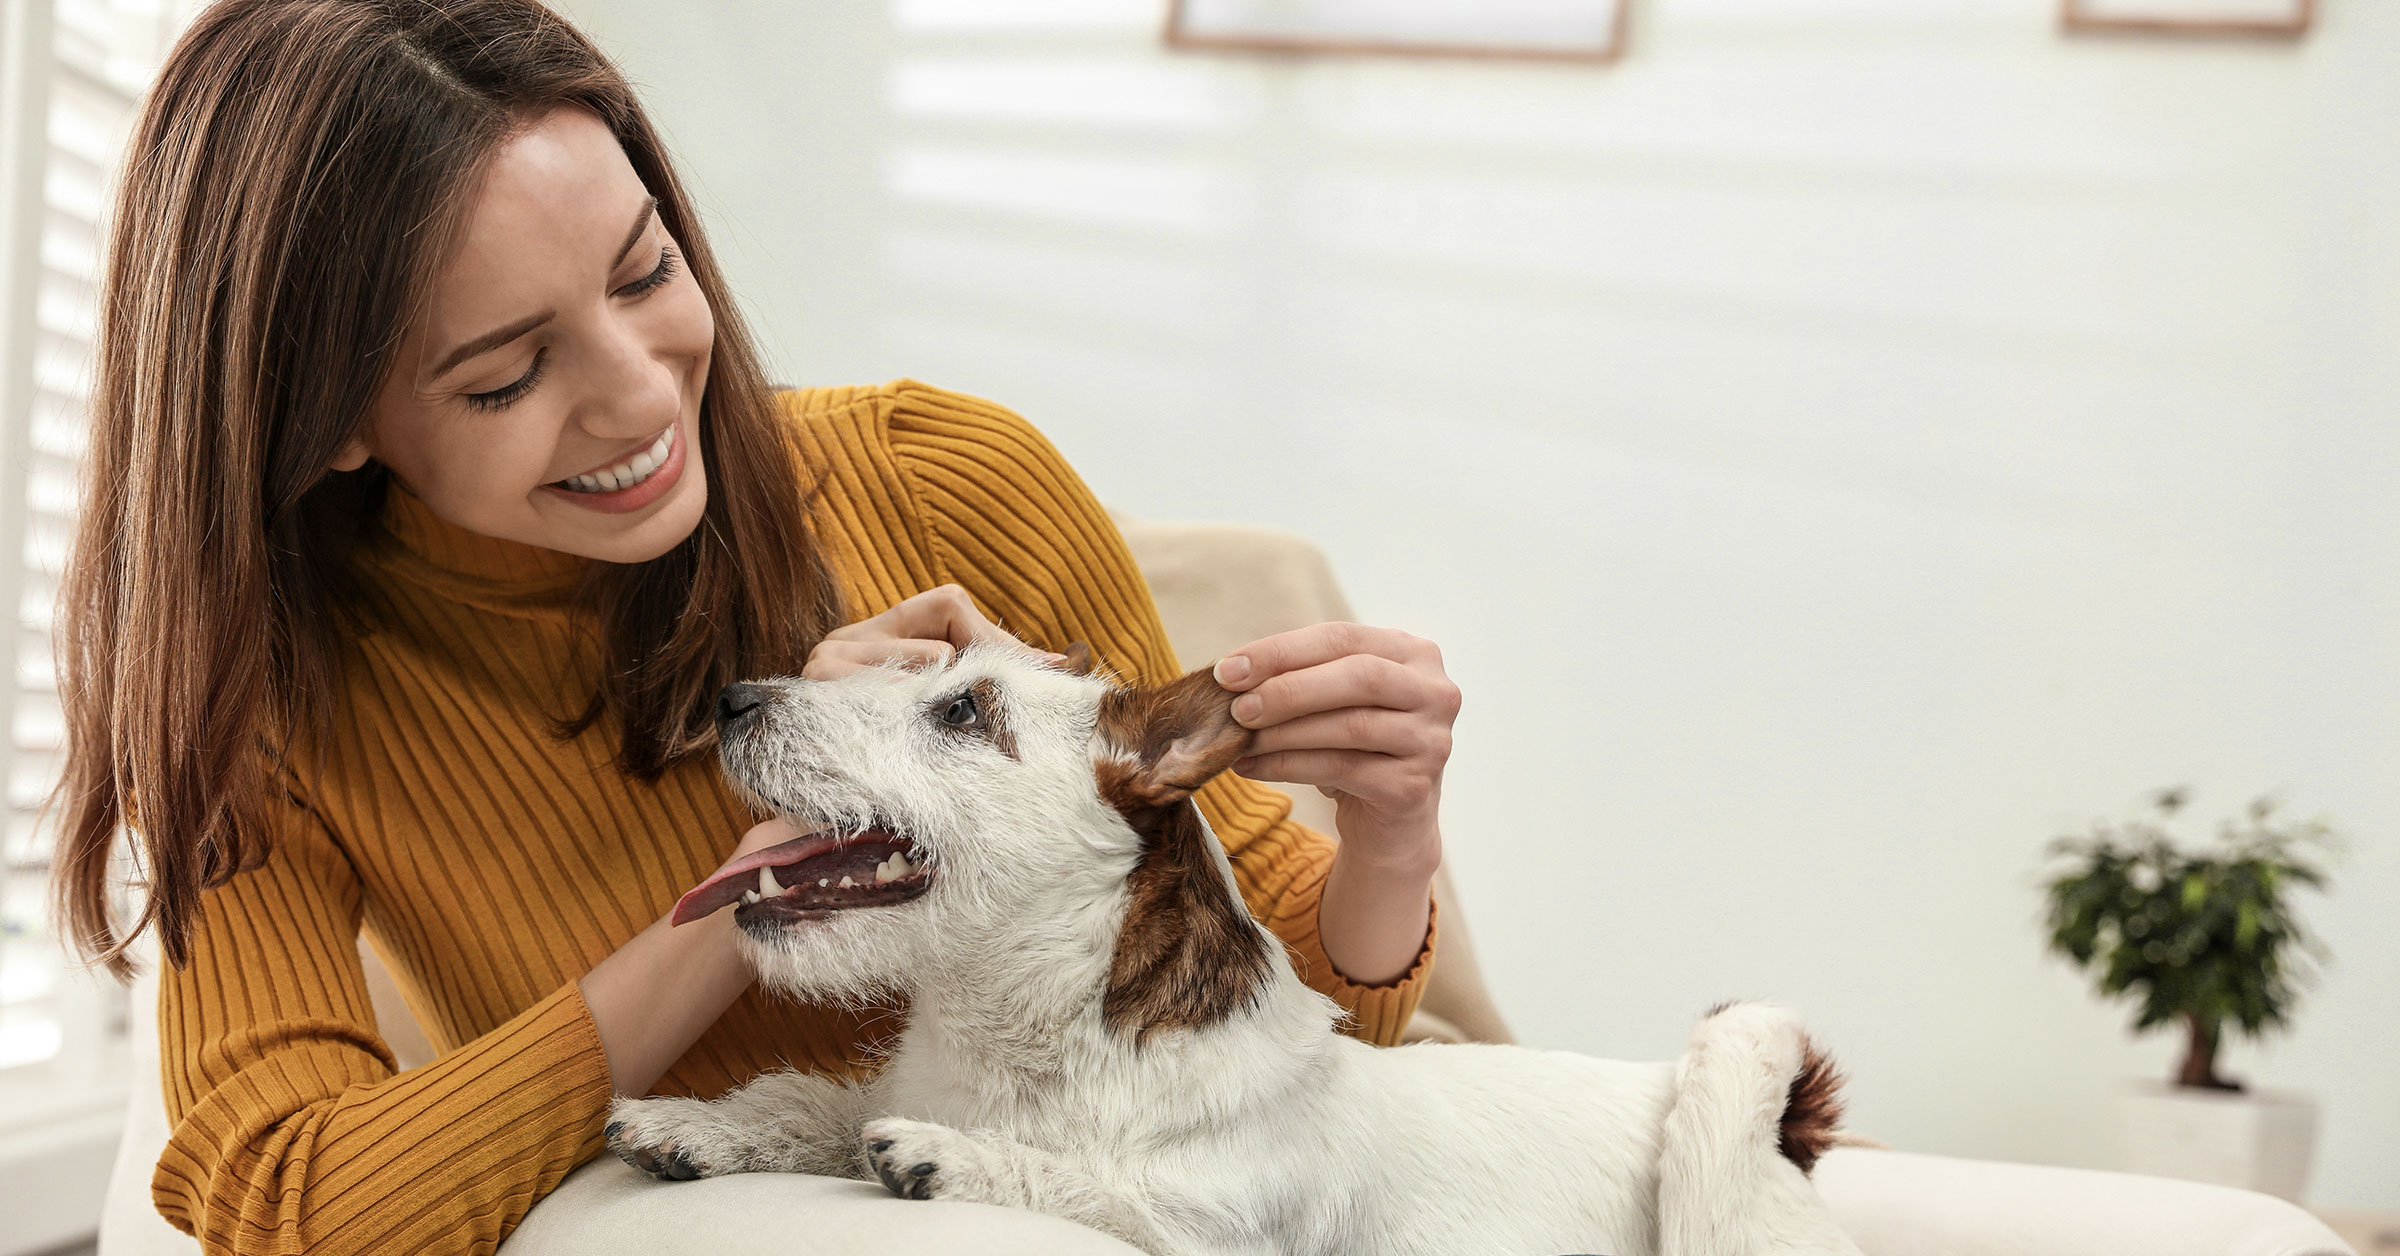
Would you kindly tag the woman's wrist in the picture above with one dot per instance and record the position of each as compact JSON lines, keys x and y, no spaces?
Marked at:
{"x":1376,"y":906}
{"x":655,"y":995}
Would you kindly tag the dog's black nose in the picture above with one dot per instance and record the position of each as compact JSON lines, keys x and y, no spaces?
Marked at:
{"x":737,"y":702}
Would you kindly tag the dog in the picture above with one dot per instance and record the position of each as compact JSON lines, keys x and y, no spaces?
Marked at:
{"x":1099,"y":1030}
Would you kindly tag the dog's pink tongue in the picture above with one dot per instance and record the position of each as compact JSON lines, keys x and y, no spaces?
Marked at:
{"x":724,"y":887}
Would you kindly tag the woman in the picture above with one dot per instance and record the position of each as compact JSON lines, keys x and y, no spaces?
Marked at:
{"x":435,"y":492}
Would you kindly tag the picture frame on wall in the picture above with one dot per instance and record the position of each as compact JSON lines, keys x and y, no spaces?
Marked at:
{"x":2284,"y":18}
{"x":1538,"y":30}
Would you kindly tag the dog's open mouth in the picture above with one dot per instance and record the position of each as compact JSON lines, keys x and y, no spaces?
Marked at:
{"x":809,"y":876}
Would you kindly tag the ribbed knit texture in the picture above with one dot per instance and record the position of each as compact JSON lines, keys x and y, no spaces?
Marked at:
{"x":492,"y":864}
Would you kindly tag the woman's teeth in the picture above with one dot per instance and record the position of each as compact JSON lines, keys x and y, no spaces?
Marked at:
{"x":628,"y":473}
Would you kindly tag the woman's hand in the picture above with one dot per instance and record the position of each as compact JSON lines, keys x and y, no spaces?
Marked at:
{"x":1364,"y":715}
{"x":924,"y":629}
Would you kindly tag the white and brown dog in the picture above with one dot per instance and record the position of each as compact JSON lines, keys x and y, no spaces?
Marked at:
{"x":1099,"y":1030}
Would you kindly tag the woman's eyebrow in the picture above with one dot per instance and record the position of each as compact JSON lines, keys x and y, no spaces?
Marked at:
{"x":634,"y":237}
{"x":491,"y":340}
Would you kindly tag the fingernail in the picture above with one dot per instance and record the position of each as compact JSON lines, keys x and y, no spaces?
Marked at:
{"x":1246,"y":708}
{"x":1242,"y":766}
{"x":1233,"y":669}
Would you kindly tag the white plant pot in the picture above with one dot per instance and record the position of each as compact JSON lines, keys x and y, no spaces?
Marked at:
{"x":2257,"y":1140}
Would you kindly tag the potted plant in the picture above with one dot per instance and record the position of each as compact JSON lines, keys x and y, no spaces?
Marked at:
{"x":2204,"y":941}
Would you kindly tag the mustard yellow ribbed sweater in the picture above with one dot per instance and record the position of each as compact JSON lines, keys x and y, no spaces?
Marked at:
{"x":492,"y":865}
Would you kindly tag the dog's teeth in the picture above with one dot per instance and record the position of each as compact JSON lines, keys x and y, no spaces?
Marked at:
{"x":822,"y":882}
{"x":847,"y":884}
{"x":885,"y":871}
{"x":750,"y":896}
{"x":766,"y":883}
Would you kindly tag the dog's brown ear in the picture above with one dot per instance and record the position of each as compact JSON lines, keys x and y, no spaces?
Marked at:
{"x":1079,"y":658}
{"x":1180,"y":736}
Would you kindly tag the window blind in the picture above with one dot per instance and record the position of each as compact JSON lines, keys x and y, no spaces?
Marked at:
{"x":75,"y":71}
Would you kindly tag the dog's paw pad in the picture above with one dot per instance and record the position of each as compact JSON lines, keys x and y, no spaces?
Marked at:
{"x":916,"y":1160}
{"x":648,"y":1141}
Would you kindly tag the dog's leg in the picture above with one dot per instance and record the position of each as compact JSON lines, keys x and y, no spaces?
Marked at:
{"x":782,"y":1122}
{"x":920,"y":1160}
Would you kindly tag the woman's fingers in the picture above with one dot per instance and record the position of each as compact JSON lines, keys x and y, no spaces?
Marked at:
{"x":1359,"y":680}
{"x":943,"y":613}
{"x":1390,"y":785}
{"x":924,"y":629}
{"x":1268,"y":657}
{"x":833,"y":659}
{"x":1377,"y":730}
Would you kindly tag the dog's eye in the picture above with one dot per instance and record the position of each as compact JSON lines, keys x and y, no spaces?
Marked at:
{"x":962,"y":712}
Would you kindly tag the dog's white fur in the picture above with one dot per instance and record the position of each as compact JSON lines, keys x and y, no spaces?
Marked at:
{"x":1265,"y":1131}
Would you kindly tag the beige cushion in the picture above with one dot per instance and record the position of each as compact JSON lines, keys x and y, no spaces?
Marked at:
{"x":1894,"y":1203}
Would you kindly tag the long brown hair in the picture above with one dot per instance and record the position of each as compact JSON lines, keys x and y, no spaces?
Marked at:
{"x":298,"y":173}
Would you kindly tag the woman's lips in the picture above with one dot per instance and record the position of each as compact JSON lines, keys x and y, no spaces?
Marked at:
{"x":624,"y":500}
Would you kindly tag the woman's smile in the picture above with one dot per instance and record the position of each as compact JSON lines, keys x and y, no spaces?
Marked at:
{"x":630,"y":483}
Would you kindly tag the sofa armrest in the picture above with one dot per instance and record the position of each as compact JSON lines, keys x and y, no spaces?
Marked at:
{"x":1901,"y":1204}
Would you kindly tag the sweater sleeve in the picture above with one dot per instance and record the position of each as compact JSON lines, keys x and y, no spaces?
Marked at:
{"x":290,"y":1129}
{"x":1013,"y":524}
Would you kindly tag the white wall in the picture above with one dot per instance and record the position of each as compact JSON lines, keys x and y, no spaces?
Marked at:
{"x":1838,"y":448}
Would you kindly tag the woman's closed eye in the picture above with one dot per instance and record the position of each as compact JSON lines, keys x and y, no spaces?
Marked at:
{"x":500,"y":398}
{"x":664,"y":272}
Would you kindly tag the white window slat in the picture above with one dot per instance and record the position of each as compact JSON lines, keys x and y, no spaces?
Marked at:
{"x":50,"y":487}
{"x":58,"y":424}
{"x":38,"y":725}
{"x":37,"y":609}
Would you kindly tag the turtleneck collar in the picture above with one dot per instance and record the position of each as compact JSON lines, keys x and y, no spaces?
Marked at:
{"x":454,"y":550}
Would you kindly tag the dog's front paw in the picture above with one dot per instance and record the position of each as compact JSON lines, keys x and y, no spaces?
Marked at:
{"x":665,"y":1138}
{"x":917,"y":1160}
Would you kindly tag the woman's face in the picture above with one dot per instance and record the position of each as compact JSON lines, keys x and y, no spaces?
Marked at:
{"x":551,"y":395}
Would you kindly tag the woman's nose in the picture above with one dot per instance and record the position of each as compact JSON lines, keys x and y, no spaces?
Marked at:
{"x":631,"y":392}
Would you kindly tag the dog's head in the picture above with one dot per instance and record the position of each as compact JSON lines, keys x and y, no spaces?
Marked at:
{"x":957,"y":803}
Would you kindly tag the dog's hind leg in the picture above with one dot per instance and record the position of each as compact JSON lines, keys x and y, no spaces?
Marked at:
{"x":782,"y":1122}
{"x":921,"y":1160}
{"x":1754,"y":1104}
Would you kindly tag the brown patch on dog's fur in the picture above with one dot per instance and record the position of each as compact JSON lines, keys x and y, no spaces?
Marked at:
{"x":1812,"y":1110}
{"x":1188,"y":953}
{"x":1079,"y":658}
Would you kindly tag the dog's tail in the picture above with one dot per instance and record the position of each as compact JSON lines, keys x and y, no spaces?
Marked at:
{"x":1812,"y":1108}
{"x":1756,"y":1103}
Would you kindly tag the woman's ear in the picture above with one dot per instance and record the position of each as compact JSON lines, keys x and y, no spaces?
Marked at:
{"x":351,"y":457}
